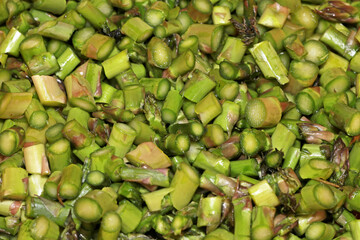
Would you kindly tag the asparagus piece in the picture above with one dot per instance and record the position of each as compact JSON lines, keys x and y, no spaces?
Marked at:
{"x":13,"y":105}
{"x":177,"y":144}
{"x":67,"y":61}
{"x":209,"y":36}
{"x":263,"y":112}
{"x":208,"y":108}
{"x":184,"y":183}
{"x":24,"y":232}
{"x":35,"y":159}
{"x":121,"y":137}
{"x":242,"y":214}
{"x":130,"y":216}
{"x":262,"y":222}
{"x":207,"y":160}
{"x":354,"y":227}
{"x":225,"y":184}
{"x":98,"y":47}
{"x":149,"y":154}
{"x":42,"y":227}
{"x":198,"y":86}
{"x":263,"y":195}
{"x":49,"y":91}
{"x":79,"y":136}
{"x":56,"y":7}
{"x":79,"y":91}
{"x":92,"y":207}
{"x":157,"y":177}
{"x":32,"y":46}
{"x":70,"y":182}
{"x":344,"y":117}
{"x":10,"y":225}
{"x":178,"y":68}
{"x":320,"y":230}
{"x":154,"y":199}
{"x":269,"y":62}
{"x":14,"y":183}
{"x":56,"y":30}
{"x":274,"y":16}
{"x":12,"y":140}
{"x":209,"y":213}
{"x":94,"y":15}
{"x":39,"y":206}
{"x":159,"y":54}
{"x":214,"y":135}
{"x":110,"y":226}
{"x":11,"y":44}
{"x":137,"y":29}
{"x":51,"y":184}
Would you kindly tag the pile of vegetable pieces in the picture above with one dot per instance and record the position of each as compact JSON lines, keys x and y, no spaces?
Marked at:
{"x":200,"y":119}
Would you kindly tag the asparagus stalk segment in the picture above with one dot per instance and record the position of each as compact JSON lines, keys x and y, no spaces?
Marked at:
{"x":12,"y":140}
{"x":31,"y":46}
{"x":214,"y":135}
{"x":116,"y":64}
{"x":110,"y":226}
{"x":318,"y":197}
{"x":263,"y":195}
{"x":207,"y":160}
{"x":154,"y":199}
{"x":35,"y":158}
{"x":209,"y":212}
{"x":94,"y":16}
{"x":78,"y":135}
{"x":56,"y":7}
{"x":178,"y":68}
{"x":98,"y":47}
{"x":79,"y":92}
{"x":242,"y":214}
{"x":43,"y":64}
{"x":262,"y":223}
{"x":57,"y":30}
{"x":42,"y":227}
{"x":345,"y":118}
{"x":263,"y":112}
{"x":149,"y":154}
{"x":157,"y":177}
{"x":137,"y":29}
{"x":11,"y":44}
{"x":49,"y":91}
{"x":208,"y":108}
{"x":67,"y":61}
{"x":354,"y":227}
{"x":10,"y":225}
{"x":209,"y":36}
{"x":269,"y":62}
{"x":159,"y":54}
{"x":282,"y":138}
{"x":274,"y":16}
{"x":121,"y":137}
{"x":51,"y":184}
{"x":198,"y":86}
{"x":320,"y":230}
{"x":184,"y":183}
{"x":71,"y":16}
{"x":13,"y":105}
{"x":92,"y":207}
{"x":130,"y":216}
{"x":69,"y":185}
{"x":14,"y":184}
